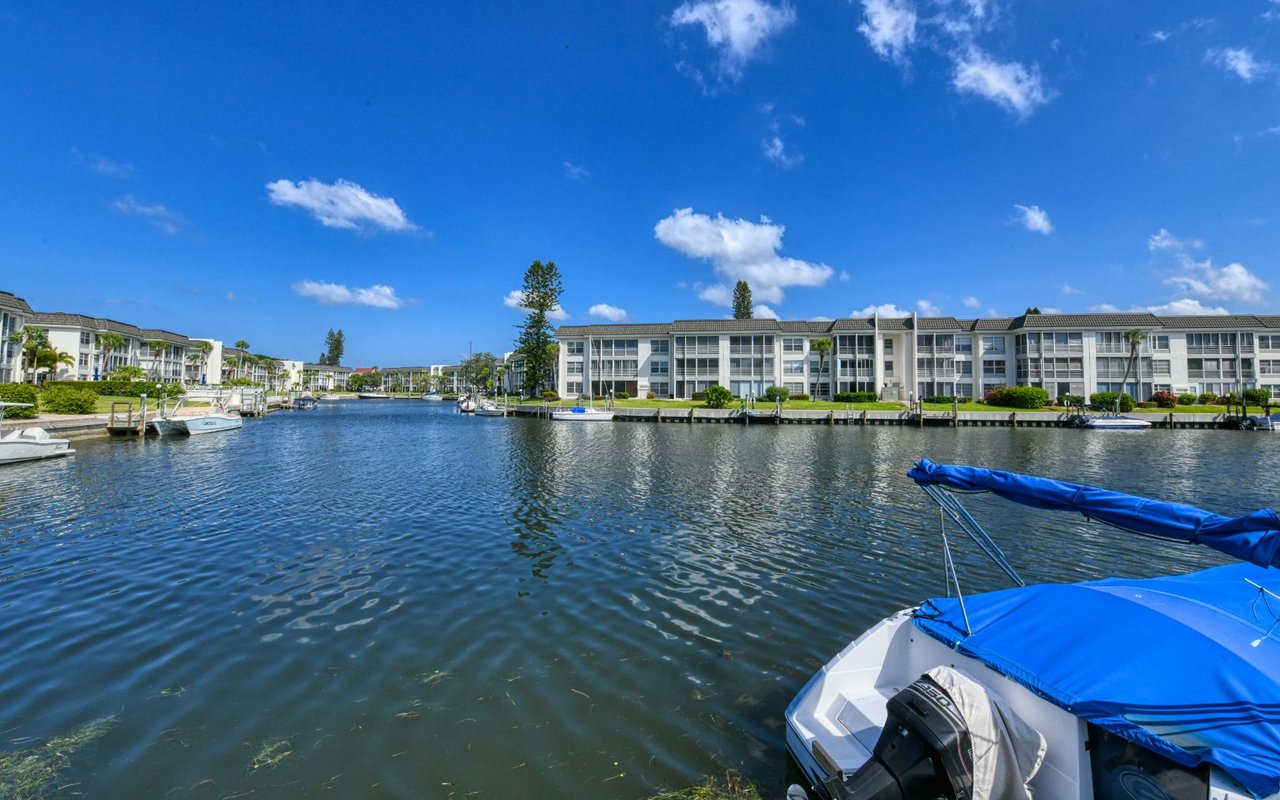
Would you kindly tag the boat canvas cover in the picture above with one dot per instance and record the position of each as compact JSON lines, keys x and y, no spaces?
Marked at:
{"x":1186,"y":666}
{"x":1254,"y":537}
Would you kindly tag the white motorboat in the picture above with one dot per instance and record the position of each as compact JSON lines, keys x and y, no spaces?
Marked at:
{"x":582,"y":414}
{"x":432,"y":397}
{"x":29,"y":444}
{"x":1261,"y":422}
{"x":196,"y":420}
{"x":305,"y":402}
{"x":373,"y":396}
{"x":1114,"y":422}
{"x":488,"y":408}
{"x":1162,"y":688}
{"x":467,"y":404}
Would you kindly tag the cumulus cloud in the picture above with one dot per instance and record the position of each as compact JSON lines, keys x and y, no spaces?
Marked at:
{"x":890,"y":27}
{"x":928,"y":309}
{"x":739,"y":249}
{"x":1035,"y":219}
{"x":1239,"y":61}
{"x":342,"y":204}
{"x":764,"y":312}
{"x":515,"y":299}
{"x":972,"y":302}
{"x":1069,"y":289}
{"x":1013,"y":87}
{"x":378,"y":295}
{"x":1105,"y":308}
{"x":884,"y":310}
{"x":735,"y":29}
{"x":1186,"y":307}
{"x":1167,"y":241}
{"x":157,"y":215}
{"x":1232,"y":282}
{"x":776,"y":151}
{"x":611,"y":313}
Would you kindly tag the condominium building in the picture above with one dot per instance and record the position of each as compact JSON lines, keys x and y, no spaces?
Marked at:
{"x":14,"y":314}
{"x":905,"y":358}
{"x":162,"y":354}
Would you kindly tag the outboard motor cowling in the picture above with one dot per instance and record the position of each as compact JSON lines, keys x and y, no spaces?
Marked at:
{"x":924,"y":752}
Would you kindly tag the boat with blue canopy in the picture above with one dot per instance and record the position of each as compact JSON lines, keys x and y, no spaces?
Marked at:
{"x":1165,"y":687}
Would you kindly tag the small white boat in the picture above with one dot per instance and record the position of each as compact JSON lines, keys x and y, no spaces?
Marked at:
{"x":467,"y":404}
{"x":306,"y":402}
{"x":373,"y":396}
{"x":193,"y":421}
{"x":29,"y":444}
{"x":1164,"y":688}
{"x":1261,"y":422}
{"x":432,"y":397}
{"x":1115,"y":422}
{"x":488,"y":408}
{"x":582,"y":414}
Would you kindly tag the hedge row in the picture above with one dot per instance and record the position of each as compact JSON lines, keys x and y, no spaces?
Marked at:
{"x":1018,"y":397}
{"x":19,"y":393}
{"x":118,"y":388}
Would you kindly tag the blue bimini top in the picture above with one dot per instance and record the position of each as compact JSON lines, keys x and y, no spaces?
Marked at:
{"x":1185,"y":666}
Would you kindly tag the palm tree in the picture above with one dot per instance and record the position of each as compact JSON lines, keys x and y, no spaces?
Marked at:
{"x":821,"y":347}
{"x":205,"y":348}
{"x":230,"y":365}
{"x":108,"y":343}
{"x":50,"y":357}
{"x":157,"y":348}
{"x":32,"y":340}
{"x":1134,"y":337}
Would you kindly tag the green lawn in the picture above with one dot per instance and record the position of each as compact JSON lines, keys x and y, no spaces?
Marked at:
{"x":761,"y":405}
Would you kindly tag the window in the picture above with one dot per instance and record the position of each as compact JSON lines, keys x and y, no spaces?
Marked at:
{"x":659,"y":367}
{"x":573,"y":388}
{"x":796,"y":345}
{"x":1269,"y":342}
{"x":993,"y":344}
{"x":84,"y":360}
{"x":964,"y":369}
{"x":573,"y":348}
{"x":573,"y":368}
{"x":824,"y":366}
{"x":888,"y":347}
{"x":1160,"y":366}
{"x":793,"y":367}
{"x":993,"y":369}
{"x":1159,"y":344}
{"x":964,"y":344}
{"x":888,"y":369}
{"x":794,"y":388}
{"x":657,"y":346}
{"x":660,"y":388}
{"x":86,"y":338}
{"x":964,"y":390}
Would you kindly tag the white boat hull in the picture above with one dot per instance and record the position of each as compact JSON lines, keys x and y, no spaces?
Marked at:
{"x":212,"y":423}
{"x":582,"y":415}
{"x":31,"y":444}
{"x":1117,"y":424}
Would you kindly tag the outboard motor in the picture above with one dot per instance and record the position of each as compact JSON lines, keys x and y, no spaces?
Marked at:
{"x":924,"y":752}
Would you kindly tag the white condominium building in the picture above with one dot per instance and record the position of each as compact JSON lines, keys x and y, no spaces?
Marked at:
{"x":914,"y":357}
{"x":14,"y":314}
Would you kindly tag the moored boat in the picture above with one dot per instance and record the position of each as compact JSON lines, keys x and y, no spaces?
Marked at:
{"x":1114,"y":422}
{"x":29,"y":444}
{"x":1164,"y":687}
{"x":582,"y":414}
{"x":373,"y":396}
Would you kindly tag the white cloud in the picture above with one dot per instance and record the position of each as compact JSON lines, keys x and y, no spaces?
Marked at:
{"x":971,"y":302}
{"x":1232,"y":282}
{"x":342,"y":204}
{"x":764,"y":312}
{"x":1167,"y":241}
{"x":776,"y":151}
{"x":1069,"y":289}
{"x":575,"y":172}
{"x":1239,"y":61}
{"x":515,"y":297}
{"x":1160,"y":36}
{"x":737,"y":29}
{"x":1035,"y":219}
{"x":1011,"y":86}
{"x":377,"y":295}
{"x":1186,"y":307}
{"x":884,"y":310}
{"x":890,"y":27}
{"x":1105,"y":308}
{"x":157,"y":215}
{"x":928,"y":309}
{"x":739,"y":250}
{"x":1050,"y":310}
{"x":716,"y":293}
{"x":611,"y":313}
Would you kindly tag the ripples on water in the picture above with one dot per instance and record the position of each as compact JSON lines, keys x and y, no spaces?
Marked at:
{"x":398,"y":601}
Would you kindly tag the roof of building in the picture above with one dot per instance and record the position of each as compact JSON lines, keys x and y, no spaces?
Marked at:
{"x":11,"y":300}
{"x":62,"y":318}
{"x":155,"y":335}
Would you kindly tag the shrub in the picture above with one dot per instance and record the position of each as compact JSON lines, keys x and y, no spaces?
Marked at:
{"x":621,"y":396}
{"x":1229,"y":399}
{"x":121,"y":388}
{"x":1019,"y":397}
{"x":19,"y":393}
{"x":777,"y":394}
{"x":699,"y":397}
{"x":550,"y":396}
{"x":862,"y":397}
{"x":800,"y":396}
{"x":1207,"y":398}
{"x":651,"y":396}
{"x":1147,"y":404}
{"x":1108,"y":400}
{"x":1256,"y":397}
{"x":66,"y":400}
{"x":937,"y":398}
{"x":718,"y":397}
{"x":1187,"y":399}
{"x":1165,"y":399}
{"x":1071,"y":400}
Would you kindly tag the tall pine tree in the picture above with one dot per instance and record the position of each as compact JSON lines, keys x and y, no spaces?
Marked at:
{"x":542,"y":289}
{"x":742,"y":301}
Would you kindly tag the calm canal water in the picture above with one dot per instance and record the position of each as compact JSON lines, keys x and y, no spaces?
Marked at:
{"x":392,"y":600}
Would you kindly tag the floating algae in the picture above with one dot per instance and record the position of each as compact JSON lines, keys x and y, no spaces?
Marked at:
{"x":29,"y":774}
{"x":271,"y":755}
{"x":731,"y":787}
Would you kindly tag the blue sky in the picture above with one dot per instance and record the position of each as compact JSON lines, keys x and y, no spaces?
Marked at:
{"x":268,"y":171}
